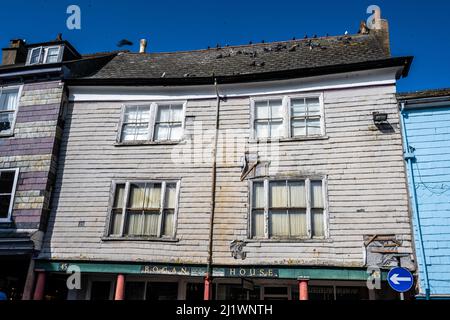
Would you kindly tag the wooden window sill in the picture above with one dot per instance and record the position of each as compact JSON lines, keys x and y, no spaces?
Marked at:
{"x":293,"y":139}
{"x":149,"y":239}
{"x":280,"y":240}
{"x":149,"y":143}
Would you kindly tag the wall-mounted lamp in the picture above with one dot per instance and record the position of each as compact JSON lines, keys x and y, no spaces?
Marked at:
{"x":379,"y":117}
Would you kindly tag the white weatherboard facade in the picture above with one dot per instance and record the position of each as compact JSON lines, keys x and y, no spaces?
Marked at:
{"x":361,"y":168}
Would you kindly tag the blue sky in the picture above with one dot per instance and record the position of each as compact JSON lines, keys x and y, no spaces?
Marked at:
{"x":417,"y":28}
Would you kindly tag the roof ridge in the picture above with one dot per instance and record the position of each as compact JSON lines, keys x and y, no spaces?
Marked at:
{"x":258,"y":44}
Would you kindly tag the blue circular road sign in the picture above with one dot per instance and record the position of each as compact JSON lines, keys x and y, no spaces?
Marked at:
{"x":400,"y":279}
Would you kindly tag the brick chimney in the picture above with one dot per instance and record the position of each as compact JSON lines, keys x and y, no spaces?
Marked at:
{"x":381,"y":28}
{"x":15,"y":53}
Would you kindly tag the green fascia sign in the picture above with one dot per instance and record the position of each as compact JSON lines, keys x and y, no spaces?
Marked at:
{"x":272,"y":272}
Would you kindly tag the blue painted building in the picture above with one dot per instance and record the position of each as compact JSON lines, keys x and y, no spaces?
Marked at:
{"x":426,"y":135}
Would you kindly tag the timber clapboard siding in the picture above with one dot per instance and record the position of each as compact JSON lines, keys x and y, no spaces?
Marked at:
{"x":427,"y":129}
{"x":364,"y":167}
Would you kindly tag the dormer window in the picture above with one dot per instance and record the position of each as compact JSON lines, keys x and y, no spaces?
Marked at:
{"x":41,"y":55}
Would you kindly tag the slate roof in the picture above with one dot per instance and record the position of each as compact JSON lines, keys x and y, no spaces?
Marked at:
{"x":262,"y":58}
{"x":424,"y":94}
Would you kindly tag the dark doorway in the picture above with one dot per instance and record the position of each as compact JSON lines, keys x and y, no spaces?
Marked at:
{"x":13,"y":274}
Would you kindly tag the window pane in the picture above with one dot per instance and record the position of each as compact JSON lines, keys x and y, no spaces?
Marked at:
{"x":6,"y":181}
{"x":297,"y":194}
{"x":276,"y":128}
{"x":278,"y":194}
{"x":258,"y":195}
{"x":262,"y":129}
{"x":258,"y":223}
{"x":35,"y":55}
{"x":152,"y":196}
{"x":171,"y":191}
{"x":52,"y":59}
{"x":176,"y":113}
{"x":151,"y":223}
{"x":136,"y":197}
{"x":298,"y":223}
{"x":261,"y":110}
{"x":298,"y":107}
{"x":137,"y":114}
{"x":168,"y":222}
{"x":162,"y":131}
{"x":52,"y":55}
{"x":276,"y":108}
{"x":279,"y":223}
{"x":116,"y":221}
{"x":298,"y":127}
{"x":133,"y":132}
{"x":8,"y":100}
{"x":134,"y":290}
{"x":134,"y":223}
{"x":119,"y":196}
{"x":317,"y":222}
{"x":313,"y":126}
{"x":313,"y":106}
{"x":163,"y":113}
{"x":176,"y":131}
{"x":4,"y":205}
{"x":6,"y":120}
{"x":316,"y":194}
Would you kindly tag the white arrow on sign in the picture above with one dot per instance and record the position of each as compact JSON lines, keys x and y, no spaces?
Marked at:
{"x":396,"y":279}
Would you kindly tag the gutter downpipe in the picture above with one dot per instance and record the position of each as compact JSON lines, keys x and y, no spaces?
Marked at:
{"x":208,"y":277}
{"x":409,"y":156}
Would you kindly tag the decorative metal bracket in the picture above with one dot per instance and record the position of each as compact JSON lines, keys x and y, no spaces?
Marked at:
{"x":236,"y":248}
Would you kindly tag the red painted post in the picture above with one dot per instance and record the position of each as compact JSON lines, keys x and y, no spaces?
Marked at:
{"x":303,"y":289}
{"x":40,"y":286}
{"x":120,"y":287}
{"x":208,"y":288}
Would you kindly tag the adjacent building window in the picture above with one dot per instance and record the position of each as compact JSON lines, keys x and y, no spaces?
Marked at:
{"x":144,"y":209}
{"x":9,"y":99}
{"x":288,"y":209}
{"x":40,"y":55}
{"x":288,"y":117}
{"x":155,"y":122}
{"x":8,"y":182}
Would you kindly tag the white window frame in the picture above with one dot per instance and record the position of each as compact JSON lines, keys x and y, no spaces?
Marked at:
{"x":286,"y":106}
{"x":16,"y":110}
{"x":43,"y":54}
{"x":13,"y":193}
{"x":152,"y":122}
{"x":127,"y":184}
{"x":46,"y":49}
{"x":307,"y":181}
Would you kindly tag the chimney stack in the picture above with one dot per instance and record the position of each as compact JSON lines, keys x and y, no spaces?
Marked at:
{"x":381,"y":28}
{"x":15,"y":53}
{"x":143,"y":46}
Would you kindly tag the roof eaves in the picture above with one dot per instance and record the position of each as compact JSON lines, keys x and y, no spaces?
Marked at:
{"x":404,"y":62}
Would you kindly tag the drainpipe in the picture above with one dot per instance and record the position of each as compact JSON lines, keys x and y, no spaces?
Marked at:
{"x":208,"y":278}
{"x":409,"y":157}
